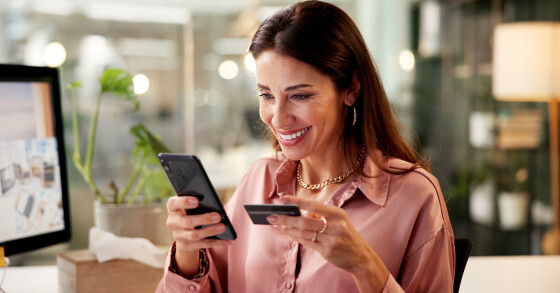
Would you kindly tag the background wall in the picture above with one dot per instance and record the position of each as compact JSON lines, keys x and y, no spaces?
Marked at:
{"x":434,"y":58}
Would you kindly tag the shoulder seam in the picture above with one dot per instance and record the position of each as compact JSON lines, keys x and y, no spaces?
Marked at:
{"x":433,"y":185}
{"x":443,"y":228}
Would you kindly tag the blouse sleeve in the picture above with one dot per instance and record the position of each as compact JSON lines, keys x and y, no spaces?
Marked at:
{"x":172,"y":282}
{"x":430,"y":269}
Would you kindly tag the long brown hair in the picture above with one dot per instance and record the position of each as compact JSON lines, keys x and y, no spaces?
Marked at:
{"x":325,"y":37}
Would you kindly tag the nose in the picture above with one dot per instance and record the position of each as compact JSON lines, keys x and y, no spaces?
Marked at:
{"x":282,"y":116}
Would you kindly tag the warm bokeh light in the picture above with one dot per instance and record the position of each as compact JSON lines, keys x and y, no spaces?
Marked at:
{"x":141,"y":84}
{"x":521,"y":175}
{"x":54,"y":54}
{"x":406,"y":60}
{"x":228,"y":69}
{"x":250,"y":64}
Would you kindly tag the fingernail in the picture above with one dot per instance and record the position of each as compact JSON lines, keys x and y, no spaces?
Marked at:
{"x":216,"y":218}
{"x":220,"y":228}
{"x":193,"y":201}
{"x":272,"y":219}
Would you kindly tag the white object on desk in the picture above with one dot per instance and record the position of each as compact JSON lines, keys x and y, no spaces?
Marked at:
{"x":511,"y":274}
{"x":42,"y":279}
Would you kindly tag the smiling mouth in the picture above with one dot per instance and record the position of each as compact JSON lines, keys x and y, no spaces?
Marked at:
{"x":294,"y":135}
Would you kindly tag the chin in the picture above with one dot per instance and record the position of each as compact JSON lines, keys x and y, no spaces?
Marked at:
{"x":291,"y":154}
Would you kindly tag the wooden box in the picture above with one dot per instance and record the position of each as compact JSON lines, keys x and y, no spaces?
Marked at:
{"x":79,"y":271}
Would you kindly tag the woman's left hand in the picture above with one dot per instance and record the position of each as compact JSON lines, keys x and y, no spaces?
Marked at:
{"x":339,"y":243}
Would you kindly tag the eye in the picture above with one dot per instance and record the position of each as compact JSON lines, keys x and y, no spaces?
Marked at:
{"x":266,"y":96}
{"x":300,"y":97}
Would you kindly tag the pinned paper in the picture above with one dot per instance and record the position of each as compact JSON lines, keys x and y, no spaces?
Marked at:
{"x":107,"y":246}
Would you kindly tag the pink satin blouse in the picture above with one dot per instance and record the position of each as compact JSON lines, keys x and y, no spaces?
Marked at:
{"x":402,"y":217}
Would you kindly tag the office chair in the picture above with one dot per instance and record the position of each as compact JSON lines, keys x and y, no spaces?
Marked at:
{"x":463,"y":248}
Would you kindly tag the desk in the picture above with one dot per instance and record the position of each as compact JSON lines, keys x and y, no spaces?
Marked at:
{"x":511,"y":274}
{"x":482,"y":274}
{"x":31,"y":279}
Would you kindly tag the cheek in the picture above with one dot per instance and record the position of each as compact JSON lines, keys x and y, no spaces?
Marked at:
{"x":265,"y":113}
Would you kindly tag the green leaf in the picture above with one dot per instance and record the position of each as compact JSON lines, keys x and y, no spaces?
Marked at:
{"x":73,"y":85}
{"x":147,"y":144}
{"x":157,"y":185}
{"x":119,"y":83}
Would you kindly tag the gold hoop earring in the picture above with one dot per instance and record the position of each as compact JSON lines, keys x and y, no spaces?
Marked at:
{"x":355,"y":116}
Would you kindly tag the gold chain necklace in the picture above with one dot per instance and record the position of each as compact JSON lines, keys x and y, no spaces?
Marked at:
{"x":337,"y":179}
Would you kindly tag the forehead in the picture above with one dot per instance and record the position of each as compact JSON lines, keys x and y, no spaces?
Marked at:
{"x":274,"y":69}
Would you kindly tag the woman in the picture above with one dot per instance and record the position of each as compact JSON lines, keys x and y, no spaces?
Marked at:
{"x":374,"y":217}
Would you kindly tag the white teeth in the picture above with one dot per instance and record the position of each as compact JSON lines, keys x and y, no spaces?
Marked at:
{"x":294,"y":135}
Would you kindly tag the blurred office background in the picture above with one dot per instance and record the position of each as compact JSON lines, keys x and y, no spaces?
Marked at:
{"x":197,"y":92}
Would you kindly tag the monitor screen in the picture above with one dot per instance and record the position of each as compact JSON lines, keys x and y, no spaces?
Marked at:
{"x":33,"y":192}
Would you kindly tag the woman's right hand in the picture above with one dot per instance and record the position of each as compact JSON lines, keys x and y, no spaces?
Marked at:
{"x":189,"y":240}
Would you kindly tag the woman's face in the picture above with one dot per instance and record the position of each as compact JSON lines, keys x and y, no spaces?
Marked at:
{"x":302,"y":107}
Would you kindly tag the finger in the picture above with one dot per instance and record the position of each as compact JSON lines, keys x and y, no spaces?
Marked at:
{"x":199,"y":234}
{"x":177,"y":203}
{"x":192,"y":221}
{"x":305,"y":237}
{"x":311,"y":205}
{"x":297,"y":234}
{"x":300,"y":222}
{"x":205,"y":243}
{"x":315,"y":245}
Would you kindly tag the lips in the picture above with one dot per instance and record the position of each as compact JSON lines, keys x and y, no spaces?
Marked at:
{"x":292,"y":138}
{"x":294,"y":135}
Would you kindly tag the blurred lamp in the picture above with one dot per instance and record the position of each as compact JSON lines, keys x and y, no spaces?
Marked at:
{"x":406,"y":60}
{"x":141,"y":84}
{"x":527,"y":69}
{"x":54,"y":54}
{"x":250,"y":64}
{"x":228,"y":69}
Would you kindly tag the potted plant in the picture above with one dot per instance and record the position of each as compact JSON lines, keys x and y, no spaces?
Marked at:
{"x":482,"y":195}
{"x":513,"y":196}
{"x":136,"y":210}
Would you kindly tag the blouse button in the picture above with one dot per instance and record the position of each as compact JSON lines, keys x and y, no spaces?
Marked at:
{"x":289,"y":286}
{"x":192,"y":287}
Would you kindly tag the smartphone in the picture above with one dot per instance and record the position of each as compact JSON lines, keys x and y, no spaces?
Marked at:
{"x":259,"y":212}
{"x":188,"y":177}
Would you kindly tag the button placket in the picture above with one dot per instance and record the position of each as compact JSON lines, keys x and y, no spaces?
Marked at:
{"x":291,"y":263}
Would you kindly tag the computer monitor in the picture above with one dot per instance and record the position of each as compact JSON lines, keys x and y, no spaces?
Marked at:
{"x":34,"y":209}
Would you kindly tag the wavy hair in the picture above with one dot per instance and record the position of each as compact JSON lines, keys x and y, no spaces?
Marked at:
{"x":325,"y":37}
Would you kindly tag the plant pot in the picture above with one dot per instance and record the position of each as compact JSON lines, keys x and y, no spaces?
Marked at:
{"x":481,"y":129}
{"x":513,"y":208}
{"x":145,"y":221}
{"x":482,"y":203}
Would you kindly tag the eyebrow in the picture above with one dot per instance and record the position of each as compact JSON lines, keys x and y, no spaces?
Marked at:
{"x":290,"y":88}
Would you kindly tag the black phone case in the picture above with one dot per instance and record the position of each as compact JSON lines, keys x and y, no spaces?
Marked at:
{"x":259,"y":212}
{"x":188,"y":177}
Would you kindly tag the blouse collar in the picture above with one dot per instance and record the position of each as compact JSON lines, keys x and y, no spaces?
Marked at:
{"x":375,"y":188}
